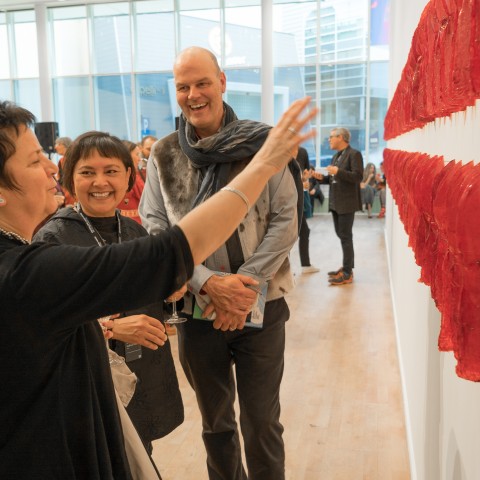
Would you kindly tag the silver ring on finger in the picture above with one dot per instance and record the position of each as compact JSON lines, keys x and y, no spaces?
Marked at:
{"x":291,"y":129}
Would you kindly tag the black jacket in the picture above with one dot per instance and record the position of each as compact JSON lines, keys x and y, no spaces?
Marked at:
{"x":156,"y":407}
{"x":58,"y":413}
{"x":345,"y":190}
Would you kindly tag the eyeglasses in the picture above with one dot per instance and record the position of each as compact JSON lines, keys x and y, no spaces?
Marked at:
{"x":332,"y":136}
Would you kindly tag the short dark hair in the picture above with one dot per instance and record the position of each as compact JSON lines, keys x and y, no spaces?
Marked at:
{"x":130,"y":145}
{"x":85,"y":145}
{"x":12,"y":118}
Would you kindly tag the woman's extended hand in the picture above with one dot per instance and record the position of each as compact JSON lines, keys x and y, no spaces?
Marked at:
{"x":284,"y":139}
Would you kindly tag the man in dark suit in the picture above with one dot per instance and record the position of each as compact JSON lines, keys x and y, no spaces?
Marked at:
{"x":344,"y":176}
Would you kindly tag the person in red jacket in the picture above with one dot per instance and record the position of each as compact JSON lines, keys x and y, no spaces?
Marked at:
{"x":129,"y":205}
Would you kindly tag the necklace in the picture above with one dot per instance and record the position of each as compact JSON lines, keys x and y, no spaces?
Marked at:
{"x":14,"y":236}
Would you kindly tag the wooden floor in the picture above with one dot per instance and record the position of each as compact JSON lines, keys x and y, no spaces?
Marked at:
{"x":341,"y":396}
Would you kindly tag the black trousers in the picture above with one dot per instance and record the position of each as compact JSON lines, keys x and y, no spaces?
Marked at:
{"x":343,"y":228}
{"x":207,"y":357}
{"x":303,"y":243}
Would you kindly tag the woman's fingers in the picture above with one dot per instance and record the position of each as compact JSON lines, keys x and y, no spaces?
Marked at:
{"x":291,"y":122}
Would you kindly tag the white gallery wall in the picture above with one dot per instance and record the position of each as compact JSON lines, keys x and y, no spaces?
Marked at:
{"x":442,"y":411}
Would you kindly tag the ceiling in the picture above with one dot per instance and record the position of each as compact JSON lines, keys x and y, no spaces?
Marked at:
{"x":23,"y":4}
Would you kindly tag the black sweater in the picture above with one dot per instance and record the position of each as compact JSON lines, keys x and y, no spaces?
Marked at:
{"x":58,"y":418}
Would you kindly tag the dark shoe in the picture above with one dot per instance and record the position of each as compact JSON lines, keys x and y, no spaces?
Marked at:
{"x":341,"y":279}
{"x":336,"y":272}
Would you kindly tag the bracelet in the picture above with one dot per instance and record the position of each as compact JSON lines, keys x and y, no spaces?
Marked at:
{"x":240,"y":194}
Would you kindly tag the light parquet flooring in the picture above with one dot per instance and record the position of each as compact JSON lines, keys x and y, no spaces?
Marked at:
{"x":341,"y":395}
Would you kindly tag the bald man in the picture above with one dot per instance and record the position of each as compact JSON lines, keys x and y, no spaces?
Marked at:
{"x":186,"y":167}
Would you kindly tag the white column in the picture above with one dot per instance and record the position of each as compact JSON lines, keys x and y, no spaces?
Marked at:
{"x":267,"y":62}
{"x":46,"y":102}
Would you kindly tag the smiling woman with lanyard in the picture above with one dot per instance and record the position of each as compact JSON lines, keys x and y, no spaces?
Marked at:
{"x":98,"y":171}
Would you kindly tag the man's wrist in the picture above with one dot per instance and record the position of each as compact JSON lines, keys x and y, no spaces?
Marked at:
{"x":203,"y":290}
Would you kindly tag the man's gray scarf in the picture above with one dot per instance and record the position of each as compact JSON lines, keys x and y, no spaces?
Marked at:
{"x":238,"y":140}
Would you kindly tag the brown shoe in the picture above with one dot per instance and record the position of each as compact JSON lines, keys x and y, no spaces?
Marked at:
{"x":335,"y":273}
{"x":342,"y":279}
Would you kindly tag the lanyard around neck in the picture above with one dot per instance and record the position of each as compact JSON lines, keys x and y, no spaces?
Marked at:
{"x":95,"y":233}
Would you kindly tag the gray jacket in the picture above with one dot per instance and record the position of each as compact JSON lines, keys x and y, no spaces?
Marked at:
{"x":266,"y":234}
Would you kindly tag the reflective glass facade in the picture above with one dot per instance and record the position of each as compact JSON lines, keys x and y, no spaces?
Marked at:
{"x":110,"y":65}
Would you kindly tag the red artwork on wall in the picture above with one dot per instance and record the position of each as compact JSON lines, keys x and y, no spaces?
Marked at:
{"x":442,"y":73}
{"x":437,"y":205}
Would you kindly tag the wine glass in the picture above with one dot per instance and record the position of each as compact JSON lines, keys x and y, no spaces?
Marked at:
{"x":174,"y":319}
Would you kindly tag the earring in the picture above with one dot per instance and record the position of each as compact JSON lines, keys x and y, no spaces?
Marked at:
{"x":126,"y":200}
{"x":2,"y":201}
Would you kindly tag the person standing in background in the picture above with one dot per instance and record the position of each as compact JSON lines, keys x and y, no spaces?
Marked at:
{"x":145,"y":150}
{"x":61,"y":145}
{"x":368,"y":187}
{"x":129,"y":205}
{"x":303,"y":238}
{"x":382,"y":194}
{"x":344,"y":177}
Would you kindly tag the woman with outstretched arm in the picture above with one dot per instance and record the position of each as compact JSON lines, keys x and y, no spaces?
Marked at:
{"x":58,"y":404}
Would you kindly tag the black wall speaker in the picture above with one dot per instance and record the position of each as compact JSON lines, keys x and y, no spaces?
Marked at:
{"x":47,"y":133}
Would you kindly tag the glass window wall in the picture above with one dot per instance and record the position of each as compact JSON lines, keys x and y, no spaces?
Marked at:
{"x":378,"y":110}
{"x":25,"y":44}
{"x":4,"y":52}
{"x":111,"y":45}
{"x":112,"y":63}
{"x":155,"y":35}
{"x":113,"y":105}
{"x":156,"y":104}
{"x":200,"y":26}
{"x":27,"y":95}
{"x":6,"y":90}
{"x":72,"y":105}
{"x":243,"y":39}
{"x":70,"y":41}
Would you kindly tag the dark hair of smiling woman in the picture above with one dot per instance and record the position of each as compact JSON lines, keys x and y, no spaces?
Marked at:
{"x":86,"y":145}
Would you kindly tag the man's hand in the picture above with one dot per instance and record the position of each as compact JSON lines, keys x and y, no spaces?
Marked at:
{"x":306,"y":174}
{"x":231,"y":300}
{"x":332,"y":169}
{"x":141,"y":330}
{"x":225,"y":320}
